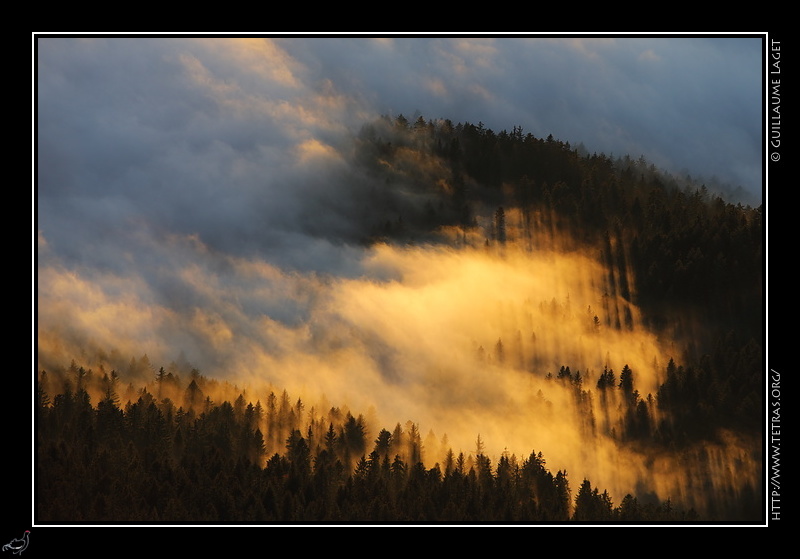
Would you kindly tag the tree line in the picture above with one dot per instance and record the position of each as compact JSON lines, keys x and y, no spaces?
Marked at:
{"x":153,"y":459}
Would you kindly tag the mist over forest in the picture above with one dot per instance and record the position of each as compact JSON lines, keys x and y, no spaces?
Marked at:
{"x":404,"y":318}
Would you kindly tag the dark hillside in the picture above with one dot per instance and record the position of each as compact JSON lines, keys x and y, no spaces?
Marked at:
{"x":693,"y":262}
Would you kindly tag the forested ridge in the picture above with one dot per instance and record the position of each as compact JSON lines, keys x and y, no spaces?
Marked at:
{"x":687,"y":245}
{"x":155,"y":443}
{"x":697,"y":260}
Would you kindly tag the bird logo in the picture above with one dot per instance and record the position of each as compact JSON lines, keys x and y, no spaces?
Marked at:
{"x":18,"y":545}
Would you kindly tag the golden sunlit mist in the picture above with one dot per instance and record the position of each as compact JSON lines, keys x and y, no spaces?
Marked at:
{"x":461,"y":341}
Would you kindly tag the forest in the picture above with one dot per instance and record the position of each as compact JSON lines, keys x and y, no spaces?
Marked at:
{"x":124,"y":440}
{"x":153,"y":461}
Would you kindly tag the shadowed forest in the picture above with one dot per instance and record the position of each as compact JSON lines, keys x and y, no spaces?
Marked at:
{"x":617,"y":312}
